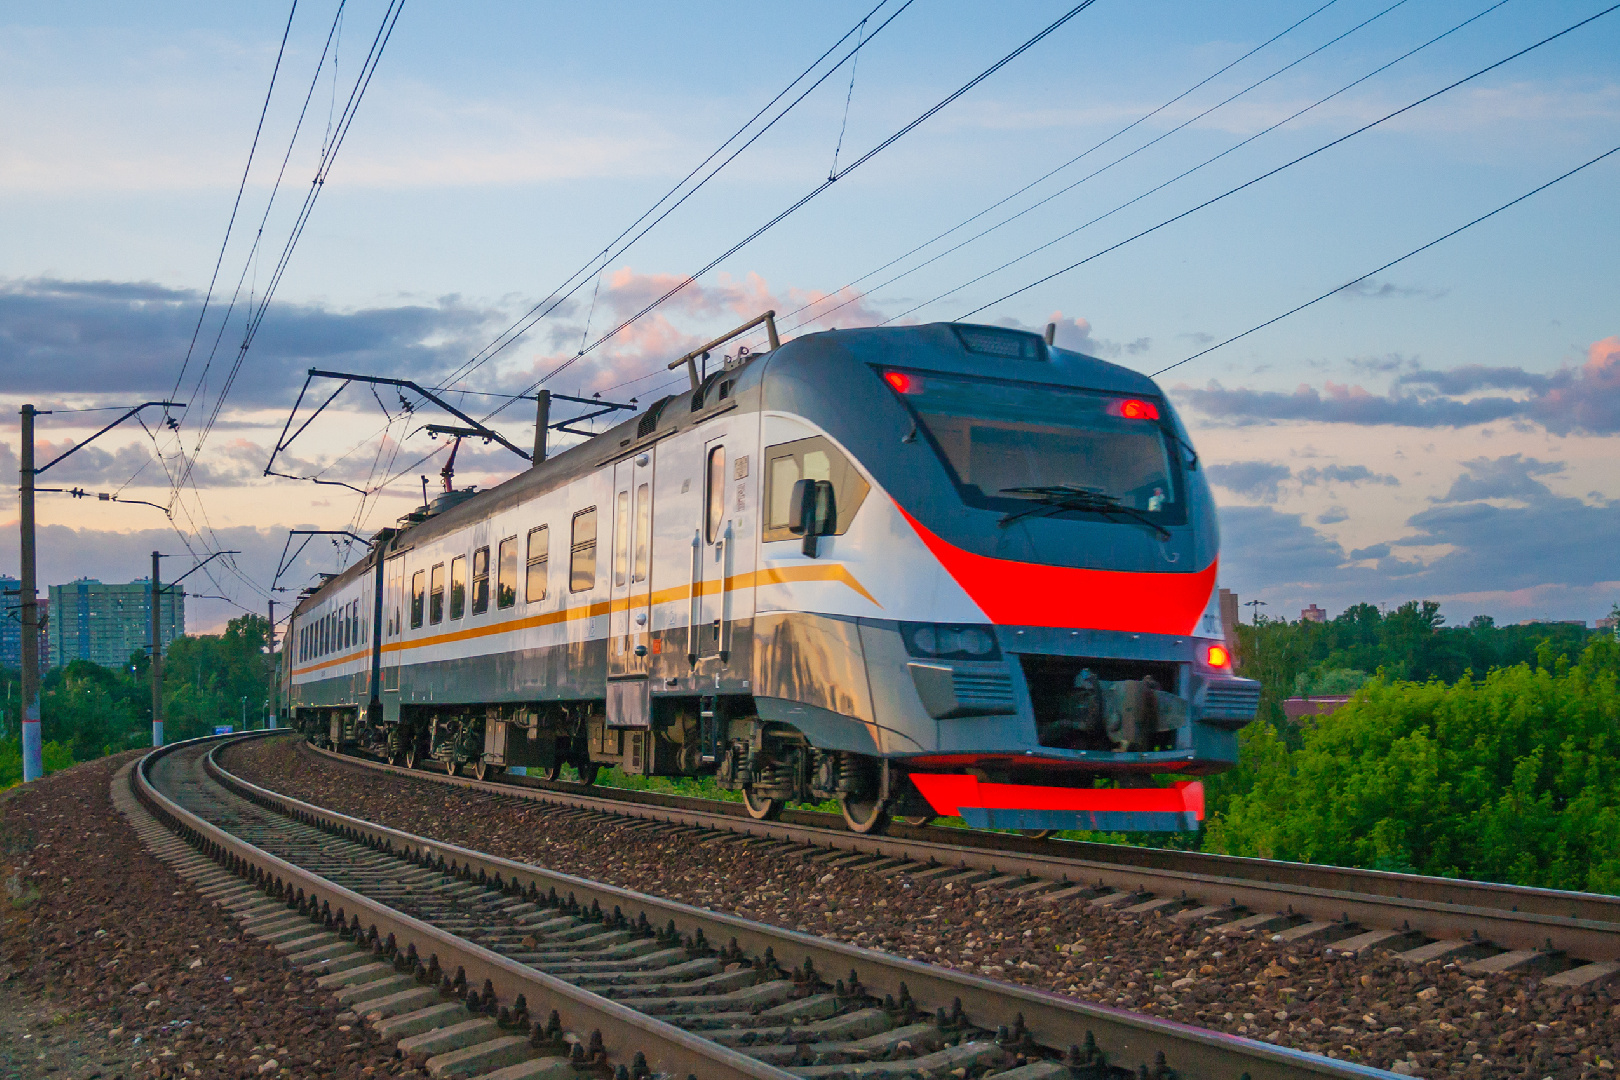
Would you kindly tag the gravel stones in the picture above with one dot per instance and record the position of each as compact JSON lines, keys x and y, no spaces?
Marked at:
{"x":1427,"y":1021}
{"x":129,"y":973}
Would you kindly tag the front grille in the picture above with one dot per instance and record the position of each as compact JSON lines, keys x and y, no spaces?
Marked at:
{"x":987,"y":691}
{"x":1231,"y":699}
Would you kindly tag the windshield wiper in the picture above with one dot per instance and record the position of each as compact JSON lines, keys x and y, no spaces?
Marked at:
{"x":1056,"y":498}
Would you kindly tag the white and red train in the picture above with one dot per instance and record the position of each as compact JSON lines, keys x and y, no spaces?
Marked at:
{"x":944,"y":569}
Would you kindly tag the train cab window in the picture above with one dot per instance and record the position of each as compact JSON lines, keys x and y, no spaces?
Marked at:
{"x":582,"y":552}
{"x":436,"y":594}
{"x":621,"y":540}
{"x":715,"y":515}
{"x":809,"y":459}
{"x":1024,"y":447}
{"x":458,"y":586}
{"x":418,"y":596}
{"x":480,"y":582}
{"x":643,"y":532}
{"x":347,"y":629}
{"x":506,"y":573}
{"x":538,"y":563}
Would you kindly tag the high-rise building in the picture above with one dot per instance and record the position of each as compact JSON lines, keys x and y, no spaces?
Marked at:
{"x":1313,"y":614}
{"x":11,"y":626}
{"x":106,"y":624}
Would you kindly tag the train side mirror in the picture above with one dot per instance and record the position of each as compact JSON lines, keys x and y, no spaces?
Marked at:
{"x":812,"y":512}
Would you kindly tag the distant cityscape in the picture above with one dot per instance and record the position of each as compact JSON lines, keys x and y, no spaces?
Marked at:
{"x":102,"y":622}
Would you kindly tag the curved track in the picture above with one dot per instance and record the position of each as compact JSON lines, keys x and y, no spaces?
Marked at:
{"x":1570,"y":938}
{"x":556,"y":976}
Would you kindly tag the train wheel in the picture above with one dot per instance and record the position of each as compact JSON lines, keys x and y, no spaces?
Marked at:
{"x":549,"y":772}
{"x":761,"y":809}
{"x":864,"y":814}
{"x":1038,"y":834}
{"x":451,"y":765}
{"x":587,"y":773}
{"x":410,"y":756}
{"x":916,"y":821}
{"x":483,"y":770}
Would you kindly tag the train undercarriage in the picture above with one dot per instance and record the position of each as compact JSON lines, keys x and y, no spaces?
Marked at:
{"x":773,"y":764}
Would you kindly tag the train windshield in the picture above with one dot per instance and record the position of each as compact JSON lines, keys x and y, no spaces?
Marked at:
{"x":1013,"y":445}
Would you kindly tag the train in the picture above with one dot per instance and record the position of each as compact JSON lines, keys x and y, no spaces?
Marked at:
{"x":935,"y":570}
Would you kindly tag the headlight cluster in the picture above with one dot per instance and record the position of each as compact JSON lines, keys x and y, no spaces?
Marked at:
{"x":946,"y":641}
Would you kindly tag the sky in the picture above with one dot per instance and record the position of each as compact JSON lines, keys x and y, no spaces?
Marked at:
{"x":1156,"y":178}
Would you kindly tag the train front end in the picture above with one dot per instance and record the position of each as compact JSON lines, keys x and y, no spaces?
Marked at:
{"x":1040,"y":550}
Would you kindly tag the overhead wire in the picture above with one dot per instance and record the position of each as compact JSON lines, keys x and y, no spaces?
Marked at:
{"x":1268,"y":129}
{"x":1261,"y":177}
{"x":257,"y":311}
{"x":1393,"y":262}
{"x":806,"y":199}
{"x":236,"y":205}
{"x":1076,"y":159}
{"x":619,"y":245}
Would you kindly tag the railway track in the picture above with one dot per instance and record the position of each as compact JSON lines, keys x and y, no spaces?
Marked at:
{"x":1571,"y":940}
{"x":481,"y":966}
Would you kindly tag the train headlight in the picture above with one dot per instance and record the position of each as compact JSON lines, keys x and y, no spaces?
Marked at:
{"x":950,"y":641}
{"x":1217,"y":656}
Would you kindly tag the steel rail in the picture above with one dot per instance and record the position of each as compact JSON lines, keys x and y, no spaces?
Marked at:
{"x":668,"y":1049}
{"x":1504,"y":915}
{"x":1130,"y":1040}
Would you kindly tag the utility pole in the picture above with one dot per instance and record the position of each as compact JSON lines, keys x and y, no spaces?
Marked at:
{"x":28,"y":608}
{"x":28,"y":600}
{"x":157,"y":658}
{"x":270,"y":697}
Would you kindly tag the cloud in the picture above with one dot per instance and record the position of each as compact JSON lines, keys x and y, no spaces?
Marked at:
{"x":1511,"y":477}
{"x":1373,"y":289}
{"x":1332,"y":516}
{"x":120,"y":338}
{"x":1514,"y":561}
{"x":1250,"y":479}
{"x":1346,"y":405}
{"x":1583,"y":399}
{"x":1344,"y":474}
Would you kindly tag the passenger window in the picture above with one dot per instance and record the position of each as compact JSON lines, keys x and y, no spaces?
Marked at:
{"x":808,"y":459}
{"x":582,"y":552}
{"x":436,"y":594}
{"x":506,"y":573}
{"x":458,"y":586}
{"x":480,"y":582}
{"x":534,"y":588}
{"x":643,"y":532}
{"x":621,"y":540}
{"x":716,"y":512}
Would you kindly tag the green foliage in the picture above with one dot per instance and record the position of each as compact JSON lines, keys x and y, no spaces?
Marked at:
{"x":1505,"y":778}
{"x":88,"y":711}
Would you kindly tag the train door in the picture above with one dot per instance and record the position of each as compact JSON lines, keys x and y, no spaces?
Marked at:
{"x":629,"y":580}
{"x":725,"y":553}
{"x":393,"y":625}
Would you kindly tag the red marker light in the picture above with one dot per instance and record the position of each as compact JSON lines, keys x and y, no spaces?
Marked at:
{"x":1134,"y":409}
{"x":1218,"y":657}
{"x":905,"y":384}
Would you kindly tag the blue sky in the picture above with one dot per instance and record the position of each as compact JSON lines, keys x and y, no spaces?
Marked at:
{"x":1476,"y":387}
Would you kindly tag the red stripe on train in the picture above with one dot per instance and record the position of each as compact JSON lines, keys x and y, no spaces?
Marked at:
{"x":948,"y":794}
{"x":1034,"y":594}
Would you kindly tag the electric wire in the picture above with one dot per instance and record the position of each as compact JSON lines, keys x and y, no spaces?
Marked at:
{"x":1076,"y":159}
{"x":1393,"y":262}
{"x":619,"y":245}
{"x":817,"y":190}
{"x":236,"y":205}
{"x":1257,"y":179}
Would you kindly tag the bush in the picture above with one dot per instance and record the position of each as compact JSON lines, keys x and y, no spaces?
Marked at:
{"x":1506,"y":778}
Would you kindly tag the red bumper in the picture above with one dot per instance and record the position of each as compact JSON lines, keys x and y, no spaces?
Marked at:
{"x":1024,"y":806}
